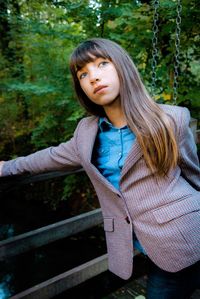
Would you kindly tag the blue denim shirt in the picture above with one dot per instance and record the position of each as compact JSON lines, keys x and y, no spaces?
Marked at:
{"x":111,"y":148}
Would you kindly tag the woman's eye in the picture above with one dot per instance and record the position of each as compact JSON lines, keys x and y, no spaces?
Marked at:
{"x":83,"y":75}
{"x":103,"y":63}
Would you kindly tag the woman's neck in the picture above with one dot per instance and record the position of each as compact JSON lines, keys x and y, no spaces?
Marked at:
{"x":115,"y":115}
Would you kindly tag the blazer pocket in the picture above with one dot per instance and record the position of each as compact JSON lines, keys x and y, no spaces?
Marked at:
{"x":176,"y":209}
{"x":109,"y":224}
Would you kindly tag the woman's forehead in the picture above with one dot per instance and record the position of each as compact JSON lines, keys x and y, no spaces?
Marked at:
{"x":84,"y":57}
{"x":94,"y":59}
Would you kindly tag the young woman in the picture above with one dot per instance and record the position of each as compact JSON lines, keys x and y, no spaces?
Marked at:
{"x":142,"y":160}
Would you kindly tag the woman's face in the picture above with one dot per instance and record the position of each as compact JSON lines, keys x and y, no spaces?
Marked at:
{"x":100,"y":82}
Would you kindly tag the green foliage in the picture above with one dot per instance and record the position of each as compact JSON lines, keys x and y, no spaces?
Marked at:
{"x":78,"y":189}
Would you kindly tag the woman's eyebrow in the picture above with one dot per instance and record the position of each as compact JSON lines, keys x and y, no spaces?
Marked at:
{"x":80,"y":69}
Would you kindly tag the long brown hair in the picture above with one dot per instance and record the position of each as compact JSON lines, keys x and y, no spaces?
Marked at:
{"x":153,"y":128}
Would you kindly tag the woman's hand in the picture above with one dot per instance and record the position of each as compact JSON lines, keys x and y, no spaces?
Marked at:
{"x":1,"y":165}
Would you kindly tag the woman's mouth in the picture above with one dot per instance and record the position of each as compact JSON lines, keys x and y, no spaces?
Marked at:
{"x":100,"y":89}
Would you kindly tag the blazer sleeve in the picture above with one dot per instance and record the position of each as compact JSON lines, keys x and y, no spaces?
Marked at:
{"x":62,"y":157}
{"x":189,"y":162}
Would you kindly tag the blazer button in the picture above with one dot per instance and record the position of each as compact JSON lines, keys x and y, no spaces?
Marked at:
{"x":127,"y":219}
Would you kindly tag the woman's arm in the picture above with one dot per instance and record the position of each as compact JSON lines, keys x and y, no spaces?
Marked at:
{"x":189,"y":162}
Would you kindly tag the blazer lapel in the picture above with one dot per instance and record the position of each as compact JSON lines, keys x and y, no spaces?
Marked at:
{"x":89,"y":136}
{"x":88,"y":144}
{"x":134,"y":155}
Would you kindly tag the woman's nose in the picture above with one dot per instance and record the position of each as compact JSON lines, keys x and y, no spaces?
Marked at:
{"x":94,"y":77}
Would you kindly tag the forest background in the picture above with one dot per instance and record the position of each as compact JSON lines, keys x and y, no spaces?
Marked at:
{"x":38,"y":107}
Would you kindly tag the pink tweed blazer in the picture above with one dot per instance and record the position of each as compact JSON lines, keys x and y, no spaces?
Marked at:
{"x":163,"y":212}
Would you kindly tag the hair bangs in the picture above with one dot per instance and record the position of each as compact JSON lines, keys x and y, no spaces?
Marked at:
{"x":86,"y":53}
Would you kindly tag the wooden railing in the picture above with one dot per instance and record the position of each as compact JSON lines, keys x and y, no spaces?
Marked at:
{"x":51,"y":233}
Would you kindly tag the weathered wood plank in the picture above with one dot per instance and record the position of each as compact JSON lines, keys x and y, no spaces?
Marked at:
{"x":136,"y":289}
{"x":49,"y":233}
{"x":131,"y":290}
{"x":66,"y":280}
{"x":11,"y":183}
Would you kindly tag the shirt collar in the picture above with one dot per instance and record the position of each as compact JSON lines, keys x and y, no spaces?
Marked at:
{"x":105,"y":124}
